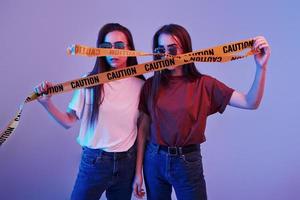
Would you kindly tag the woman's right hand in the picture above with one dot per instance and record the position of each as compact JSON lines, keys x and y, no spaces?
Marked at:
{"x":137,"y":186}
{"x":40,"y":89}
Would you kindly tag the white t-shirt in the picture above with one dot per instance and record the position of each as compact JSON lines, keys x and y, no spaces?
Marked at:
{"x":116,"y":129}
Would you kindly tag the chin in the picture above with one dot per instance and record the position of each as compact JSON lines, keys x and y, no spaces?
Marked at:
{"x":171,"y":68}
{"x":114,"y":65}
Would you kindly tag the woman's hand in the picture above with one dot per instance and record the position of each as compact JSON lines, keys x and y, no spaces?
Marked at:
{"x":261,"y":45}
{"x":41,"y":89}
{"x":137,"y":186}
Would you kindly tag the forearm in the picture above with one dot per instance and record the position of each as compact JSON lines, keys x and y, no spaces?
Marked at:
{"x":255,"y":94}
{"x":143,"y":131}
{"x":63,"y":118}
{"x":141,"y":140}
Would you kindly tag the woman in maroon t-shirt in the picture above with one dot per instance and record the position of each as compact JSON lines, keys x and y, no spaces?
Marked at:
{"x":174,"y":105}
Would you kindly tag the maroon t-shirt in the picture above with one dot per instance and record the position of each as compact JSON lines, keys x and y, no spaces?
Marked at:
{"x":182,"y":108}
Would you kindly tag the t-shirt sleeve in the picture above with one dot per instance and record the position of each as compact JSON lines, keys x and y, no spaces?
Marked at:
{"x":77,"y":102}
{"x":144,"y":97}
{"x":220,"y":96}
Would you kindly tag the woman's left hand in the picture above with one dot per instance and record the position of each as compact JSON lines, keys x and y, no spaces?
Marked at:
{"x":261,"y":44}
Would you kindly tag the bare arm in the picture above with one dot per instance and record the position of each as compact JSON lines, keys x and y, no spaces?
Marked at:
{"x":252,"y":99}
{"x":143,"y":131}
{"x":66,"y":119}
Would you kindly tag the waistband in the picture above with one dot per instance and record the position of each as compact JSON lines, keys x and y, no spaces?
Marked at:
{"x":100,"y":152}
{"x":174,"y":151}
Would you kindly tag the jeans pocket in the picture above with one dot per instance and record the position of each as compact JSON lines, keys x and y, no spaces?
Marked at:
{"x":131,"y":155}
{"x":192,"y":158}
{"x":150,"y":151}
{"x":88,"y":160}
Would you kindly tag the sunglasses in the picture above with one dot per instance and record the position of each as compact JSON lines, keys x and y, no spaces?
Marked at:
{"x":172,"y":50}
{"x":116,"y":45}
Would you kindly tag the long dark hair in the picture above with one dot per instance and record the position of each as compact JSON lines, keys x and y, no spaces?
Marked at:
{"x":189,"y":71}
{"x":101,"y":64}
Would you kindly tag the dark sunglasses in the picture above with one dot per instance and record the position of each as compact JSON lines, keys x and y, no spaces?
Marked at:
{"x":172,"y":50}
{"x":116,"y":45}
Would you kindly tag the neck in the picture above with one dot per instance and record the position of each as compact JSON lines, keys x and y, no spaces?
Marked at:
{"x":177,"y":71}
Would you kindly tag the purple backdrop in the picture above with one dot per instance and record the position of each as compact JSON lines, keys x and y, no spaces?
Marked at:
{"x":248,"y":154}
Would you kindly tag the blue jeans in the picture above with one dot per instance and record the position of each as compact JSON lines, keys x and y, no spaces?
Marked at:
{"x":100,"y":171}
{"x":184,"y":172}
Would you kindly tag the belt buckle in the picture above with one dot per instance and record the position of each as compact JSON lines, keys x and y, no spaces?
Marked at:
{"x":171,"y":151}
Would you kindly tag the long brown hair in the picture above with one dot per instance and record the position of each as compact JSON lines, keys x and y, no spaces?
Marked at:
{"x":190,"y":71}
{"x":101,"y":65}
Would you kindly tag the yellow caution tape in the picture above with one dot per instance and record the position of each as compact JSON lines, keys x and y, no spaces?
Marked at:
{"x":222,"y":53}
{"x":82,"y":50}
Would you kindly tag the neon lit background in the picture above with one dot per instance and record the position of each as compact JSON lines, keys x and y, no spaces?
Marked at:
{"x":248,"y":154}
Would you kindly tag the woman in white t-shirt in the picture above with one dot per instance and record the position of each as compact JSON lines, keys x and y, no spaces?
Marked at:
{"x":108,"y":114}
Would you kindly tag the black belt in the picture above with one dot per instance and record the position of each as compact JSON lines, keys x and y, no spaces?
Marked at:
{"x":180,"y":150}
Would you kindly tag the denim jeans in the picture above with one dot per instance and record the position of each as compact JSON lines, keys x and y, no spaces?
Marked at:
{"x":183,"y":172}
{"x":100,"y":171}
